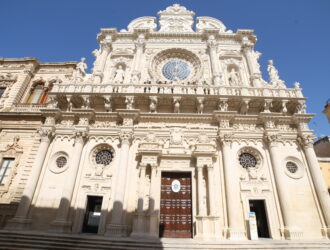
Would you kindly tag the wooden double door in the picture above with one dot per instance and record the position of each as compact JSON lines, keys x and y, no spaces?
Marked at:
{"x":175,"y":205}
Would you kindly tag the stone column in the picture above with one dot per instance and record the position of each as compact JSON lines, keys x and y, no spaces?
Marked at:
{"x":319,"y":184}
{"x":211,"y":189}
{"x":116,"y":226}
{"x":31,"y":185}
{"x":255,"y":74}
{"x":61,"y":222}
{"x":236,"y":228}
{"x":201,"y":207}
{"x":212,"y":44}
{"x":98,"y":72}
{"x":290,"y":231}
{"x":153,"y":214}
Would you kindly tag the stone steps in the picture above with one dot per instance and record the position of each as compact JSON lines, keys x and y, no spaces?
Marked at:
{"x":37,"y":240}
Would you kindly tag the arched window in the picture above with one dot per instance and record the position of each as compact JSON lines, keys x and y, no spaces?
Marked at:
{"x":39,"y":94}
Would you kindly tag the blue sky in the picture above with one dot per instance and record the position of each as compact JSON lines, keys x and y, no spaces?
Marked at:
{"x":294,"y":33}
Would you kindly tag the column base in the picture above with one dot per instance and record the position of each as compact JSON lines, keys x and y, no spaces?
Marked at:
{"x":18,"y":224}
{"x":236,"y":234}
{"x":117,"y":230}
{"x":208,"y":227}
{"x":139,"y":225}
{"x":153,"y":229}
{"x":292,"y":233}
{"x":325,"y":232}
{"x":59,"y":226}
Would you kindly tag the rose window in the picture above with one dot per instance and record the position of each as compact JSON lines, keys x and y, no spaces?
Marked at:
{"x":176,"y":70}
{"x":247,"y":160}
{"x":291,"y":167}
{"x":61,"y":161}
{"x":104,"y":157}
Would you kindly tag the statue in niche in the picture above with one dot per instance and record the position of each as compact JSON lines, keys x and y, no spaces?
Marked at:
{"x":80,"y":69}
{"x":119,"y":75}
{"x":233,"y":78}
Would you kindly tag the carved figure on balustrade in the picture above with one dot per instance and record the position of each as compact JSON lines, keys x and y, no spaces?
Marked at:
{"x":274,"y":78}
{"x":80,"y":70}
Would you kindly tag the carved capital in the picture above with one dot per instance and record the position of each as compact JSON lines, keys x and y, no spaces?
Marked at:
{"x":272,"y":139}
{"x":46,"y":134}
{"x":226,"y":139}
{"x":306,"y":141}
{"x":126,"y":136}
{"x":80,"y":136}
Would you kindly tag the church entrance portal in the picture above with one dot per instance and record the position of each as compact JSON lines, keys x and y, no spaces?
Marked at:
{"x":175,"y":205}
{"x":93,"y":214}
{"x":258,"y":206}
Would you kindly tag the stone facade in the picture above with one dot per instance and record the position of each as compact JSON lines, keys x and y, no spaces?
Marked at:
{"x":178,"y":98}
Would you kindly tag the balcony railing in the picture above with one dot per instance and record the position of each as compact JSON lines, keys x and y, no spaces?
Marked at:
{"x":174,"y":89}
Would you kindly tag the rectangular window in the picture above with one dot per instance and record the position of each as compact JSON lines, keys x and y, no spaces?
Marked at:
{"x":2,"y":90}
{"x":6,"y":165}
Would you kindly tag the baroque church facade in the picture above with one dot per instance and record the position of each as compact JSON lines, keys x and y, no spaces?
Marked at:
{"x":174,"y":134}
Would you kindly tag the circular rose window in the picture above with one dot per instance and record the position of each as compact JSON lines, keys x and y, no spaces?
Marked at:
{"x":247,"y":160}
{"x":104,"y":157}
{"x":176,"y":69}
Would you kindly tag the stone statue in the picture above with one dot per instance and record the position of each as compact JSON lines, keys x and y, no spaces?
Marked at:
{"x":80,"y":69}
{"x":120,"y":75}
{"x":200,"y":105}
{"x":233,"y":78}
{"x":223,"y":106}
{"x":272,"y":71}
{"x":274,"y":78}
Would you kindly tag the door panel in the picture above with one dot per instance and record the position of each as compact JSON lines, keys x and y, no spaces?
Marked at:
{"x":175,"y":207}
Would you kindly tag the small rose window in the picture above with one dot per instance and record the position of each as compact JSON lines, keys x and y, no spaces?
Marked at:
{"x":104,"y":157}
{"x":61,"y":161}
{"x":291,"y":167}
{"x":247,"y":160}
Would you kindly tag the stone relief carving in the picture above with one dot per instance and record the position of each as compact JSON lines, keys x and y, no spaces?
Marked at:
{"x":15,"y":145}
{"x":146,"y":22}
{"x":205,"y":23}
{"x":176,"y":136}
{"x":176,"y":18}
